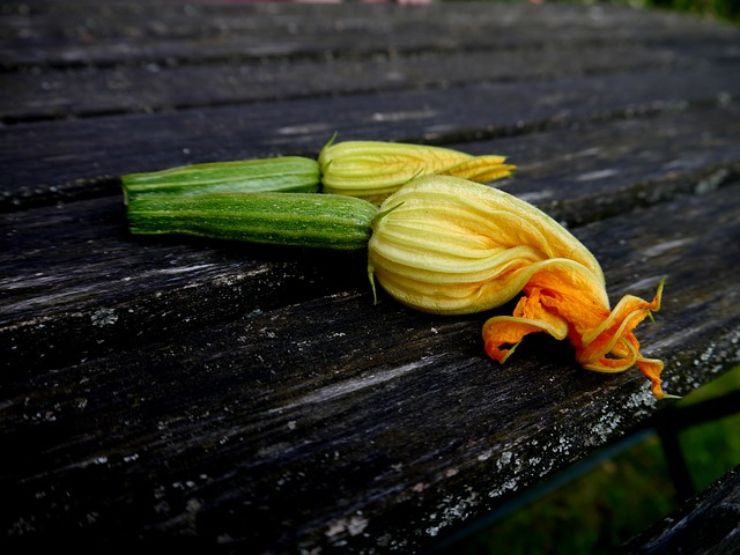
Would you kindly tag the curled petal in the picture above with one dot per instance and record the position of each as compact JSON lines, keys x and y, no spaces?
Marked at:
{"x":629,"y":312}
{"x":609,"y":346}
{"x":604,"y":345}
{"x":651,"y":369}
{"x":502,"y":334}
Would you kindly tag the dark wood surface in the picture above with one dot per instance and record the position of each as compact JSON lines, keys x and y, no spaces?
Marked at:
{"x":708,"y":523}
{"x":171,"y":390}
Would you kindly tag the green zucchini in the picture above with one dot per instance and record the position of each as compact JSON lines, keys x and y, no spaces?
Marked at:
{"x":298,"y":219}
{"x":287,"y":174}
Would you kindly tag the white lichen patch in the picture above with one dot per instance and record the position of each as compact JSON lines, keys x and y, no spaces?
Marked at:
{"x":356,"y":525}
{"x":433,"y":530}
{"x":547,"y":468}
{"x":451,"y":510}
{"x":352,"y":525}
{"x":504,"y":460}
{"x":640,"y":403}
{"x":604,"y":428}
{"x":336,"y":528}
{"x":562,"y":446}
{"x":509,"y":485}
{"x":104,"y":317}
{"x":707,"y":355}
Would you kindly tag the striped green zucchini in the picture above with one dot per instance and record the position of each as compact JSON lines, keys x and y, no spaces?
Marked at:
{"x":287,"y":174}
{"x":298,"y":219}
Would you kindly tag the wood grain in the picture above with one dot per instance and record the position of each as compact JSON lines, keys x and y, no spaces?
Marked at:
{"x":34,"y":95}
{"x":104,"y":36}
{"x":62,"y":166}
{"x":239,"y":421}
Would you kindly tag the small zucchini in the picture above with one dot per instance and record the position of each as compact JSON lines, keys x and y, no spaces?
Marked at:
{"x":299,"y":219}
{"x":287,"y":174}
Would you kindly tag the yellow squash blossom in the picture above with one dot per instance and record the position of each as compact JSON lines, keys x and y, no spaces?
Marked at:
{"x":375,"y":169}
{"x":449,"y":246}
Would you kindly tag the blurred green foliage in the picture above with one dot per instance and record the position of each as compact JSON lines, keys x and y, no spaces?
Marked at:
{"x":713,"y":448}
{"x":725,"y":9}
{"x":601,"y":510}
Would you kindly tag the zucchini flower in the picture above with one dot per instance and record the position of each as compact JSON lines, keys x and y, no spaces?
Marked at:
{"x":374,"y":169}
{"x":448,"y":246}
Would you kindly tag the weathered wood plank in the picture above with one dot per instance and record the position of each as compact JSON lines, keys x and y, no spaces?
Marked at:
{"x":203,"y":15}
{"x":92,"y":91}
{"x":61,"y":165}
{"x":238,"y":422}
{"x":241,"y":49}
{"x":709,"y":523}
{"x":95,"y":22}
{"x":316,"y":36}
{"x":98,"y":288}
{"x":593,"y":171}
{"x":180,"y":20}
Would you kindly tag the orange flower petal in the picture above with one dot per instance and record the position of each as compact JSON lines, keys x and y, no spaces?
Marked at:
{"x":501,"y":334}
{"x":651,"y":369}
{"x":603,"y":339}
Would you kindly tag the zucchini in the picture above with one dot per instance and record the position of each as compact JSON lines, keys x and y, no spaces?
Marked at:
{"x":299,"y":219}
{"x":287,"y":174}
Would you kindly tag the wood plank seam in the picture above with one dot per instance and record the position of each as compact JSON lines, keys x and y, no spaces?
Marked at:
{"x":104,"y":185}
{"x":322,"y":55}
{"x":443,"y":82}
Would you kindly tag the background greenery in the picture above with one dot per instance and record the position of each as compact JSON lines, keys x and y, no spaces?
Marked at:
{"x":724,"y":9}
{"x":729,"y":9}
{"x":599,"y":511}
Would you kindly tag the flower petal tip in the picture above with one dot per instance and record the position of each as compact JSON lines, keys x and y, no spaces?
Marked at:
{"x":657,"y":301}
{"x":494,"y":350}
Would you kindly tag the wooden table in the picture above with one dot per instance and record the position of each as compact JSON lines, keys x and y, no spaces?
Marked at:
{"x":708,"y":523}
{"x":190,"y":392}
